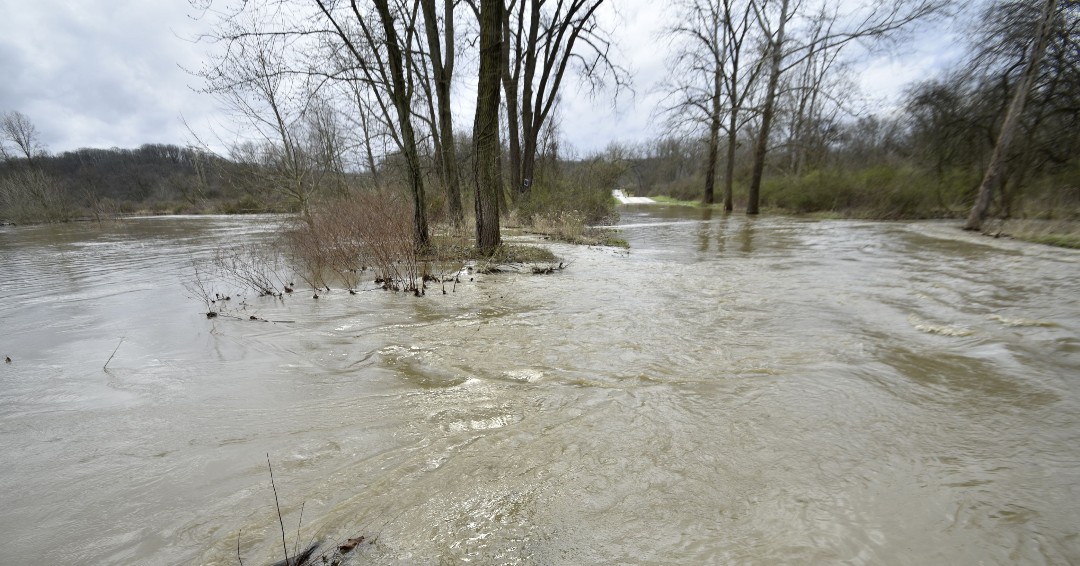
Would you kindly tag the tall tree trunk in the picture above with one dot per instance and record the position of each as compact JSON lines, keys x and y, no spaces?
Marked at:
{"x":400,"y":92}
{"x":442,"y":65}
{"x":729,"y":165}
{"x":996,"y":167}
{"x":714,"y":141}
{"x":762,"y":147}
{"x":528,"y":159}
{"x":530,"y":121}
{"x":510,"y":78}
{"x":486,"y":126}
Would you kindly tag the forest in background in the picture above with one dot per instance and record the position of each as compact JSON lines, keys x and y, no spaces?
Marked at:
{"x":757,"y":115}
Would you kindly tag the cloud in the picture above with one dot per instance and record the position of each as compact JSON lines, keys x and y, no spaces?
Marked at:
{"x":99,"y":73}
{"x":105,"y":73}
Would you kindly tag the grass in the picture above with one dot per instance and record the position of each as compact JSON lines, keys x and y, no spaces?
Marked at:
{"x":571,"y":227}
{"x":676,"y":202}
{"x":514,"y":253}
{"x":1058,"y":233}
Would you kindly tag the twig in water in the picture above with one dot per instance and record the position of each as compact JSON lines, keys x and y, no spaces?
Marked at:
{"x":238,"y":547}
{"x":106,"y":366}
{"x":284,"y":545}
{"x":296,"y":544}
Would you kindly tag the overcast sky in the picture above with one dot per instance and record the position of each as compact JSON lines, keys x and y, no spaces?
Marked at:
{"x":110,"y":73}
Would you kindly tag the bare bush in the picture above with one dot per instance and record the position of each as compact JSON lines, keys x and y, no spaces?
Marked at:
{"x":29,"y":195}
{"x":351,"y":234}
{"x":200,"y":288}
{"x":254,"y":266}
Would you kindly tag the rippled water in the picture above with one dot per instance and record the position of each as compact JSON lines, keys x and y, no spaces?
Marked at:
{"x":731,"y":390}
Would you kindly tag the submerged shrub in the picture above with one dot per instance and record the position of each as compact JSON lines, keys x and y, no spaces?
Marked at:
{"x":349,"y":234}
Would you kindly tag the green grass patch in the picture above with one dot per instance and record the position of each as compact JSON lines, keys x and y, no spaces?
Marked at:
{"x":677,"y":202}
{"x":445,"y":248}
{"x":1058,"y":233}
{"x":1057,"y":240}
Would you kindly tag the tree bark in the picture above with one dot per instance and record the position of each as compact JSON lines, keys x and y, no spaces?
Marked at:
{"x":510,"y":77}
{"x":400,"y":93}
{"x":996,"y":167}
{"x":714,"y":142}
{"x":486,"y":126}
{"x":729,"y":164}
{"x":442,"y":65}
{"x":549,"y":46}
{"x":762,"y":146}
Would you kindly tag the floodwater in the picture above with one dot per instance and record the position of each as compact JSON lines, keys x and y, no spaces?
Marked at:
{"x":731,"y":390}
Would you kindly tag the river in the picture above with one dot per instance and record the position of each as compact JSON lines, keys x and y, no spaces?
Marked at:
{"x":729,"y":391}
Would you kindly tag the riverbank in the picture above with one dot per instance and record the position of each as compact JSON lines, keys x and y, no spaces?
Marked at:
{"x":1063,"y":233}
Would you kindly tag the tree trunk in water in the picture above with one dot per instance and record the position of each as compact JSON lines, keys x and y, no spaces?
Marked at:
{"x":714,"y":142}
{"x":996,"y":168}
{"x":762,"y":146}
{"x":710,"y":169}
{"x":400,"y":93}
{"x":486,"y":126}
{"x":729,"y":165}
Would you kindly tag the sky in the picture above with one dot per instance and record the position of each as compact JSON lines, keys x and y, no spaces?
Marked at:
{"x":114,"y":73}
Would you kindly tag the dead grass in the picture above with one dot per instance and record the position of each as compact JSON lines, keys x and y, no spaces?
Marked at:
{"x":570,"y":227}
{"x":366,"y":230}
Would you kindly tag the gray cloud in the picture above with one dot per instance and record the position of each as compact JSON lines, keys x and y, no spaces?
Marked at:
{"x":105,"y":73}
{"x":99,"y":73}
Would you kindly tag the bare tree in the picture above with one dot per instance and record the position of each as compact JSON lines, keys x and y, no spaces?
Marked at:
{"x":1008,"y":129}
{"x":441,"y":52}
{"x":486,"y":126}
{"x":776,"y":56}
{"x":816,"y":96}
{"x":254,"y":79}
{"x":540,"y":40}
{"x":18,"y":131}
{"x":875,"y":21}
{"x":714,"y":77}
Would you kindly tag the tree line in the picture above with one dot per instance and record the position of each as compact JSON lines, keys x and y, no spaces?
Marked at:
{"x":338,"y":96}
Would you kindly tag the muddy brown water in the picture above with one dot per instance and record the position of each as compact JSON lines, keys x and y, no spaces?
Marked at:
{"x":732,"y":390}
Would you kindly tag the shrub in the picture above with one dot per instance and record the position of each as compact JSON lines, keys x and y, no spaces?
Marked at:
{"x":364,"y":229}
{"x":30,"y":195}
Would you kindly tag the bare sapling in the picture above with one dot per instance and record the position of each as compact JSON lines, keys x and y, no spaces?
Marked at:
{"x":254,"y":266}
{"x":199,"y":288}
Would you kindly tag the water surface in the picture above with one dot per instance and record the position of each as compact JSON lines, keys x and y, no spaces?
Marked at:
{"x":732,"y":390}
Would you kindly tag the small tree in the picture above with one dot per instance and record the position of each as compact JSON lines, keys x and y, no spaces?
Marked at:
{"x":19,"y":137}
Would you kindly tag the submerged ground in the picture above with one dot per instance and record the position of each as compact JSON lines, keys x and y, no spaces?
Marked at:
{"x":731,"y":390}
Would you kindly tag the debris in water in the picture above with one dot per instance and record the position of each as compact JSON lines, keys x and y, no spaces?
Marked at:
{"x":350,"y":544}
{"x":7,"y":359}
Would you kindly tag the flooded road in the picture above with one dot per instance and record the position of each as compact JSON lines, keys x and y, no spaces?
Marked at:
{"x":731,"y":390}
